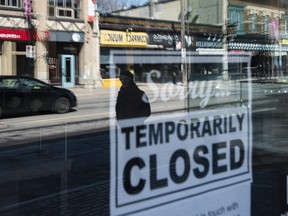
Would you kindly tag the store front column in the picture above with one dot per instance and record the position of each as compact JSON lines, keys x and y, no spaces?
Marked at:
{"x":90,"y":74}
{"x":8,"y":64}
{"x":41,"y":66}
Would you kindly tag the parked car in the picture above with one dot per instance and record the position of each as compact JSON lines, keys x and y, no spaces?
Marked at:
{"x":21,"y":94}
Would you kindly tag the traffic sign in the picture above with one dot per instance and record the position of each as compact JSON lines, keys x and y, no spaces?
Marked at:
{"x":30,"y":51}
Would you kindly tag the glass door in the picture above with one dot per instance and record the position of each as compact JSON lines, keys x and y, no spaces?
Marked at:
{"x":68,"y":71}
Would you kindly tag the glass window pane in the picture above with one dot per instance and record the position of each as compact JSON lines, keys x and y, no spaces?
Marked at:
{"x":69,"y":3}
{"x":60,"y":3}
{"x":14,"y":3}
{"x":154,"y":115}
{"x":51,"y":2}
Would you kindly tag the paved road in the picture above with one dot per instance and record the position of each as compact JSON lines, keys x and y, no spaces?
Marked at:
{"x":68,"y":174}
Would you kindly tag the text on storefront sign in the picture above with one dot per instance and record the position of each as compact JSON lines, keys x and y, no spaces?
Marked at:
{"x":118,"y":38}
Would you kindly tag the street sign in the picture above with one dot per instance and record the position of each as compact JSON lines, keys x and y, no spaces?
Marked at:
{"x":30,"y":51}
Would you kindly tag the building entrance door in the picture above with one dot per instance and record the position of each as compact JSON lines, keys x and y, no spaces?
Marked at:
{"x":68,"y":71}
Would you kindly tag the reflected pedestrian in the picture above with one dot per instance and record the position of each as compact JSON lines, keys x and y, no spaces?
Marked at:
{"x":174,"y":77}
{"x":132,"y":102}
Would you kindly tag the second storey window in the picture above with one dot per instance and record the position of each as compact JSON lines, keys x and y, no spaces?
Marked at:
{"x":65,"y":9}
{"x":11,"y":3}
{"x":266,"y":24}
{"x":253,"y":19}
{"x":236,"y":17}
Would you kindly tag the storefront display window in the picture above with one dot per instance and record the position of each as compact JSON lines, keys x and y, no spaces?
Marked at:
{"x":181,"y":108}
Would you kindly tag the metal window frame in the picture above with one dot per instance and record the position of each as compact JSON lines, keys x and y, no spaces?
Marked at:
{"x":58,"y":9}
{"x":71,"y":9}
{"x":9,"y":3}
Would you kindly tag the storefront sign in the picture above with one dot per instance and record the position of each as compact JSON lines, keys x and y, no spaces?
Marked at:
{"x":65,"y":36}
{"x":22,"y":34}
{"x":208,"y":44}
{"x":284,"y":41}
{"x":118,"y":38}
{"x":165,"y":39}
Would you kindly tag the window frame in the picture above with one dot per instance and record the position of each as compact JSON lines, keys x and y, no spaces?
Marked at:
{"x":9,"y":4}
{"x":266,"y":20}
{"x":58,"y":9}
{"x":253,"y":23}
{"x":236,"y":15}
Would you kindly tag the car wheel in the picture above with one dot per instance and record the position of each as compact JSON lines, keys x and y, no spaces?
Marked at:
{"x":62,"y":105}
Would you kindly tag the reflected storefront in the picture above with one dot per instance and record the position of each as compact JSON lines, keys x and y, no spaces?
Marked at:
{"x":124,"y":40}
{"x":269,"y":59}
{"x":14,"y":42}
{"x":211,"y":146}
{"x":63,"y":60}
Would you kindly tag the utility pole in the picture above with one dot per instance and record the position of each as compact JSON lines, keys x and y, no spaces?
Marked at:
{"x":225,"y":40}
{"x":96,"y":43}
{"x":152,"y":9}
{"x":183,"y":48}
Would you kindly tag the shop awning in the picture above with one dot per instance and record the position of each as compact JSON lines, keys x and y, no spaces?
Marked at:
{"x":257,"y":47}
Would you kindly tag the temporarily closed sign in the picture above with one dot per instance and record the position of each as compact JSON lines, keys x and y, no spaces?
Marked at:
{"x":179,"y":157}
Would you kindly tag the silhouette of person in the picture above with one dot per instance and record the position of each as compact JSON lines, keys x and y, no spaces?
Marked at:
{"x":131,"y":102}
{"x":174,"y":77}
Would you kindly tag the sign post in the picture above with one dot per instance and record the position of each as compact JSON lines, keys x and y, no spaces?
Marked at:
{"x":30,"y":51}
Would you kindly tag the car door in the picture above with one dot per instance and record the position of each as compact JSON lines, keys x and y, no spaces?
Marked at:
{"x":13,"y":100}
{"x":40,"y":96}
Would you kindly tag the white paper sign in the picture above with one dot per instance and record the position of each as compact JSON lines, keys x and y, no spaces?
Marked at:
{"x":182,"y":160}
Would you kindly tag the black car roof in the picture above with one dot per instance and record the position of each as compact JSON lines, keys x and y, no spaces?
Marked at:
{"x":22,"y":76}
{"x":15,"y":76}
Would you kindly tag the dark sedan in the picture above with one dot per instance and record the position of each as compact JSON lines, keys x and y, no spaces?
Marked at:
{"x":21,"y":94}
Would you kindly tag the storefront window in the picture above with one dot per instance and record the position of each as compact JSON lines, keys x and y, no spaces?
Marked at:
{"x":145,"y":114}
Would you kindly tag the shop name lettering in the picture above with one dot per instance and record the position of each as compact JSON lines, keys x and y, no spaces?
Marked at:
{"x":203,"y":90}
{"x":199,"y":162}
{"x":161,"y":37}
{"x":14,"y":36}
{"x":130,"y":38}
{"x":208,"y":44}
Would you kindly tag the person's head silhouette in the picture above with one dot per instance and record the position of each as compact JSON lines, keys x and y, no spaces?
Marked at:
{"x":126,"y":78}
